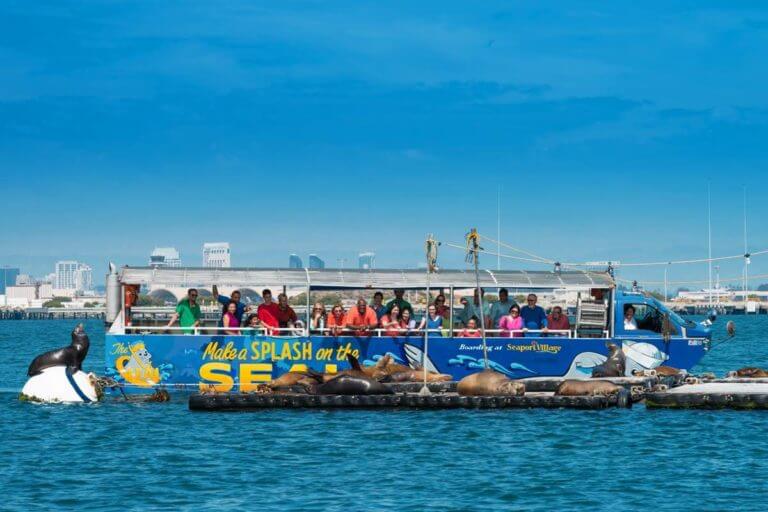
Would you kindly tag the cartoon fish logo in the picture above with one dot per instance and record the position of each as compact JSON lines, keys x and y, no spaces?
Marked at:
{"x":137,"y":368}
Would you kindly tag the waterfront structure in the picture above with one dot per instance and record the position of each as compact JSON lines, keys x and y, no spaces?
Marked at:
{"x":216,"y":255}
{"x":294,"y":261}
{"x":366,"y":260}
{"x":7,"y":277}
{"x":164,"y":257}
{"x":73,"y":275}
{"x":315,"y":262}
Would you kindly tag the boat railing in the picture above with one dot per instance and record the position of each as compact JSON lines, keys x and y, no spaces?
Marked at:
{"x":333,"y":331}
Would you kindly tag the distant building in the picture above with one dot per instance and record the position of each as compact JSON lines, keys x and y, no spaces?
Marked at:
{"x":28,"y":293}
{"x":164,"y":257}
{"x":7,"y":277}
{"x":294,"y":261}
{"x":216,"y":254}
{"x":366,"y":260}
{"x":24,"y":280}
{"x":315,"y":261}
{"x":73,"y":275}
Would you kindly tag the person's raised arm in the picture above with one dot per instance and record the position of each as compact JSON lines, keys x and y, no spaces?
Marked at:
{"x":173,"y":319}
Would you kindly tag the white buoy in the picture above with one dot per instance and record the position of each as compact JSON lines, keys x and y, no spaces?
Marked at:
{"x":59,"y":384}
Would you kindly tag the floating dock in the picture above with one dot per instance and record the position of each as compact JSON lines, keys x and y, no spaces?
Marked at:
{"x":715,"y":394}
{"x":254,"y":401}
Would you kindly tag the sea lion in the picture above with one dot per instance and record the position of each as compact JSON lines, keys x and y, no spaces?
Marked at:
{"x":614,"y":366}
{"x":352,"y":385}
{"x":297,"y":378}
{"x":751,"y":372}
{"x":586,"y":388}
{"x":489,"y":382}
{"x":416,"y":375}
{"x":71,"y":356}
{"x":661,"y":371}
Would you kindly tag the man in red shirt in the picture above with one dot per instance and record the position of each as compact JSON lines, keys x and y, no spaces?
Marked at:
{"x":557,"y":321}
{"x":286,"y":316}
{"x":268,"y":311}
{"x":361,"y":319}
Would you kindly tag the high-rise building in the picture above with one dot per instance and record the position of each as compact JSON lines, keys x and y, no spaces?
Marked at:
{"x":315,"y":261}
{"x":164,"y":257}
{"x":216,"y":254}
{"x":366,"y":260}
{"x":7,"y":278}
{"x":83,"y":278}
{"x":72,"y":275}
{"x":294,"y":261}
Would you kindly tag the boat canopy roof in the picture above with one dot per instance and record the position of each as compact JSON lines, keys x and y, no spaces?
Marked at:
{"x":361,"y":279}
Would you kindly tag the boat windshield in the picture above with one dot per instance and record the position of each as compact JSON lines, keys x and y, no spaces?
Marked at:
{"x":674,"y":316}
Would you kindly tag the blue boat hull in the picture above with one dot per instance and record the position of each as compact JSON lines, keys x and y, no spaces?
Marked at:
{"x":231,"y":363}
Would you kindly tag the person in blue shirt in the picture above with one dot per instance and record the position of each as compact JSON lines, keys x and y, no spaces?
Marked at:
{"x":534,"y":317}
{"x":224,"y":300}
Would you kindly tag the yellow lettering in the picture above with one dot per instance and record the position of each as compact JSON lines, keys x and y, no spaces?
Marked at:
{"x":224,"y":381}
{"x":298,"y":367}
{"x":251,"y":374}
{"x":286,"y":352}
{"x":255,"y":350}
{"x":306,"y":352}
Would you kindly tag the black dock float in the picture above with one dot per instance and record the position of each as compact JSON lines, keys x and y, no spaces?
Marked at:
{"x":244,"y":402}
{"x":711,"y":395}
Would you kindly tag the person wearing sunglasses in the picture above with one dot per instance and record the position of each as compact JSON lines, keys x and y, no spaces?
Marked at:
{"x":187,"y":312}
{"x":317,"y":320}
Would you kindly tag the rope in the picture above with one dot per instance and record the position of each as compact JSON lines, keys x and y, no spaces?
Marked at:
{"x":502,"y":244}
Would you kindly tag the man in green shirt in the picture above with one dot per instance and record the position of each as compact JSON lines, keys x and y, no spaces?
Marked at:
{"x":400,"y":301}
{"x":187,"y":312}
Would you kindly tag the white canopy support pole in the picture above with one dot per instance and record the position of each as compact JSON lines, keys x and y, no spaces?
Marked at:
{"x":474,"y":252}
{"x":431,"y":250}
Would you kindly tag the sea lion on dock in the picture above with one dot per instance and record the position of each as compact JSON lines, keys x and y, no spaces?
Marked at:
{"x":587,"y":388}
{"x":416,"y":375}
{"x":489,"y":382}
{"x":346,"y":384}
{"x":297,"y":379}
{"x":614,"y":366}
{"x":751,"y":372}
{"x":71,"y":356}
{"x":661,"y":371}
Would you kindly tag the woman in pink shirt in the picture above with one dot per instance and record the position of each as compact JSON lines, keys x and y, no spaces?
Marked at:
{"x":471,"y":331}
{"x":229,"y":319}
{"x":511,"y":322}
{"x":391,"y":321}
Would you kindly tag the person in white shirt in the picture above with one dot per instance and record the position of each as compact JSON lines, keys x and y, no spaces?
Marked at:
{"x":630,"y":324}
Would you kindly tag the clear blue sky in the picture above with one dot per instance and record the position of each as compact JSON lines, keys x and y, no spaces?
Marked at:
{"x":336,"y":127}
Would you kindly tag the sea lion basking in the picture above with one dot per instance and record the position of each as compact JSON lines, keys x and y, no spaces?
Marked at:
{"x":751,"y":372}
{"x":586,"y":388}
{"x":615,"y":366}
{"x":71,"y":356}
{"x":489,"y":382}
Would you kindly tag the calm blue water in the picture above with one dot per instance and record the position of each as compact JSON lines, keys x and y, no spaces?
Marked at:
{"x":161,"y":456}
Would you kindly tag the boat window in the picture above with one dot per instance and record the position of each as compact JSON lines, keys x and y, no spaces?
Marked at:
{"x":677,"y":319}
{"x":648,"y":318}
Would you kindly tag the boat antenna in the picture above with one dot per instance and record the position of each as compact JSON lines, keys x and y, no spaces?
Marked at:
{"x":746,"y":252}
{"x":498,"y":228}
{"x":473,"y":256}
{"x":431,"y":253}
{"x":709,"y":237}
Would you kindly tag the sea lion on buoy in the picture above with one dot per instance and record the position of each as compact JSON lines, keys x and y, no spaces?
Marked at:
{"x":346,"y":384}
{"x":586,"y":388}
{"x":71,"y":356}
{"x":614,"y":366}
{"x":489,"y":382}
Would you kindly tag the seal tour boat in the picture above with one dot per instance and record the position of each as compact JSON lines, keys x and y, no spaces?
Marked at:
{"x":145,"y":354}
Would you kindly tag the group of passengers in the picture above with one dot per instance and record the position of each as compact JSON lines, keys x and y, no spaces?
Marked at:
{"x":503,"y":318}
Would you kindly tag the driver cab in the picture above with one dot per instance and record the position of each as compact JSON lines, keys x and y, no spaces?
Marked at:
{"x":640,"y":316}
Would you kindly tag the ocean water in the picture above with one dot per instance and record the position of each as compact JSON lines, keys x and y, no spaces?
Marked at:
{"x":118,"y":456}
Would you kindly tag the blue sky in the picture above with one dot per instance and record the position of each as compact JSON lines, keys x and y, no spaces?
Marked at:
{"x":335,"y":127}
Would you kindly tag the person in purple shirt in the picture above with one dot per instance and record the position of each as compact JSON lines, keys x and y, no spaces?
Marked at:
{"x":224,"y":300}
{"x":534,"y":317}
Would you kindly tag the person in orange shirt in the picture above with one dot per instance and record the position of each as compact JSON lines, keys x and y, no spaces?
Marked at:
{"x":362,"y":319}
{"x":336,"y":320}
